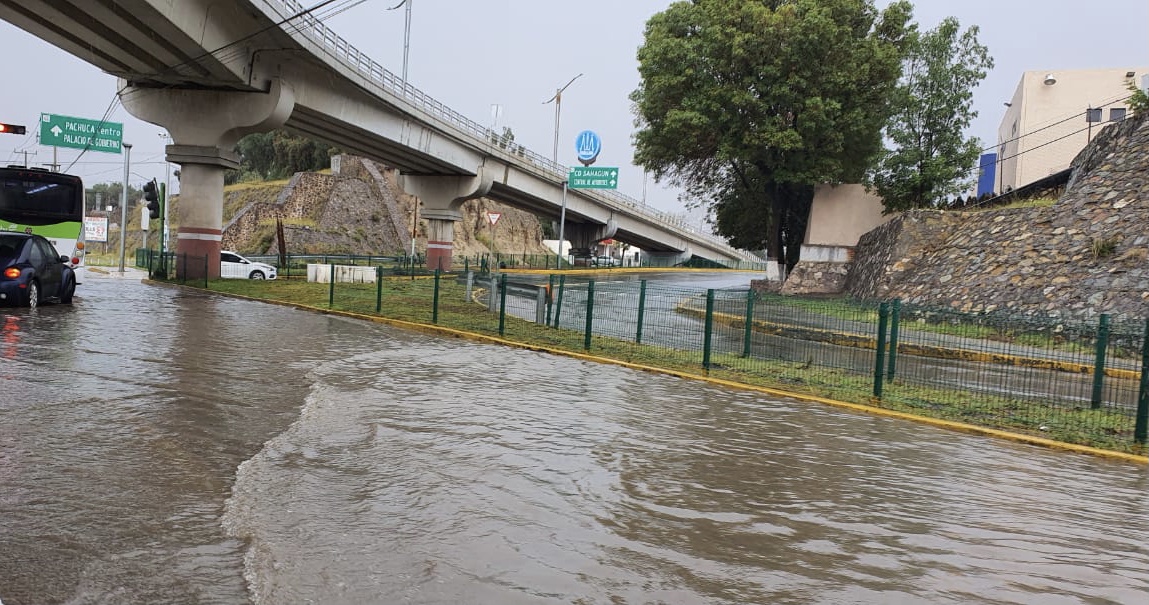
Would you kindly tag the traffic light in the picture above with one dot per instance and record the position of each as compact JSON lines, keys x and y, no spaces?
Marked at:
{"x":152,"y":196}
{"x":11,"y":129}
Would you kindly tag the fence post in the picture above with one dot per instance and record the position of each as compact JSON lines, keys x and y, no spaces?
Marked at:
{"x":492,"y":294}
{"x":1099,"y":362}
{"x":746,"y":339}
{"x":541,"y":306}
{"x":589,"y":314}
{"x":1142,"y":426}
{"x":435,"y":300}
{"x":470,"y":285}
{"x":502,"y":303}
{"x":880,"y":358}
{"x":641,"y":311}
{"x":895,"y":318}
{"x":559,"y":301}
{"x":708,"y":329}
{"x":330,"y":285}
{"x":550,"y":296}
{"x":378,"y":289}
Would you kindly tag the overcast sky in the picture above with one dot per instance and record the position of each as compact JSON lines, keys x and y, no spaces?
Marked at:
{"x":516,"y":53}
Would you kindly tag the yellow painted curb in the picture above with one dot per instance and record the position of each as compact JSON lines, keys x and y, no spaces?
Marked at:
{"x":608,"y":270}
{"x":947,"y":424}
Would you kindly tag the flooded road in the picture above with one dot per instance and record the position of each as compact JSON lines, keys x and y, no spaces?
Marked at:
{"x":160,"y":445}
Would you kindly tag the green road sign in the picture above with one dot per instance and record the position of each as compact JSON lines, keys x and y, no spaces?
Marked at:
{"x":593,"y":177}
{"x":80,"y":133}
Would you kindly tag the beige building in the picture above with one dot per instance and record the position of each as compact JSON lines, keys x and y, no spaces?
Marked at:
{"x":1052,"y":115}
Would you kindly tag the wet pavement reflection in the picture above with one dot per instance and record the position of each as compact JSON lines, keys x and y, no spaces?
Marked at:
{"x":164,"y":445}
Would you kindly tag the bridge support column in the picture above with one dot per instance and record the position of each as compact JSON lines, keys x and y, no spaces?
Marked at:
{"x":583,"y":236}
{"x":442,"y":196}
{"x":205,"y":125}
{"x":440,"y":237}
{"x":668,"y":259}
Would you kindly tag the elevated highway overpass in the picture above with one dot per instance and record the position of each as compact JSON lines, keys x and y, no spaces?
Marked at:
{"x":211,"y":72}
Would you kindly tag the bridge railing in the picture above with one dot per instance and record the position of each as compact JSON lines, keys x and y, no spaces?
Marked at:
{"x":317,"y":31}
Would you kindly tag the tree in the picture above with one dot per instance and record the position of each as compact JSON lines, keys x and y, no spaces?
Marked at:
{"x":932,"y":159}
{"x":278,"y":154}
{"x":749,"y":103}
{"x":102,"y":195}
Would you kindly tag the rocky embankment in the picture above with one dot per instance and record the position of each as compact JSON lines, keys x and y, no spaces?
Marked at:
{"x":1087,"y":254}
{"x":360,"y":209}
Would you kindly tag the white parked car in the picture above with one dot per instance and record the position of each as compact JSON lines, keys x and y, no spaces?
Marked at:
{"x":234,"y":266}
{"x":605,"y":261}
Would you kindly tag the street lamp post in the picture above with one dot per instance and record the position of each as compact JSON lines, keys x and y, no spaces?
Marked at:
{"x":558,"y":99}
{"x":406,"y":35}
{"x":562,"y":227}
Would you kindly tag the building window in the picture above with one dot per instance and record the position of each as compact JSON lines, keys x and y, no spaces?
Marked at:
{"x":1116,"y":114}
{"x":1093,"y":114}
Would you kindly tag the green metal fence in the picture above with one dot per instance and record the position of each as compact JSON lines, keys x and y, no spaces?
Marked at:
{"x":1077,"y":382}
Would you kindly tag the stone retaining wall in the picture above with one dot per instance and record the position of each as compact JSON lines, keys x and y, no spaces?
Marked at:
{"x":1087,"y":254}
{"x":809,"y":277}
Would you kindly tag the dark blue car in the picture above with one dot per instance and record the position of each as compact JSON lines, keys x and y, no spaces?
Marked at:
{"x":31,"y":271}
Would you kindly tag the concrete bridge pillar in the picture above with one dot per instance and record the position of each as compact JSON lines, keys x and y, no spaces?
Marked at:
{"x":205,"y":126}
{"x":583,"y":236}
{"x":668,"y":259}
{"x":442,"y":196}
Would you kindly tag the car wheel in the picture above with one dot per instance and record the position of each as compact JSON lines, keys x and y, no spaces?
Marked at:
{"x":33,"y":295}
{"x":69,"y":290}
{"x":257,"y":275}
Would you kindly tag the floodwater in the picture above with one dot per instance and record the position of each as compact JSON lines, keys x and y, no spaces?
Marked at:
{"x":160,"y":445}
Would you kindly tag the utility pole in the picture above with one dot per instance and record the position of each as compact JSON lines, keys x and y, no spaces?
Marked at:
{"x":167,"y":193}
{"x":124,"y":202}
{"x":25,"y":153}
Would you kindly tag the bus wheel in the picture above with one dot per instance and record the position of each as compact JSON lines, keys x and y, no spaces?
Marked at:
{"x":69,"y":290}
{"x":33,"y":295}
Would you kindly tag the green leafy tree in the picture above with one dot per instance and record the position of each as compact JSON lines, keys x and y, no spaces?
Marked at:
{"x":749,"y":103}
{"x":1138,"y":100}
{"x":279,"y":154}
{"x":932,"y":159}
{"x":102,"y":195}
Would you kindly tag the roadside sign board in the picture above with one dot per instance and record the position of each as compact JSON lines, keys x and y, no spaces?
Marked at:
{"x":588,"y":145}
{"x":494,"y":217}
{"x":587,"y":177}
{"x":95,"y":229}
{"x":81,"y":133}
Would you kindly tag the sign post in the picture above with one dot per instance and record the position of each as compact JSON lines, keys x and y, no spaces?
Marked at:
{"x":80,"y":133}
{"x":493,"y":218}
{"x":144,"y":220}
{"x":588,"y":145}
{"x":585,"y":177}
{"x":95,"y":229}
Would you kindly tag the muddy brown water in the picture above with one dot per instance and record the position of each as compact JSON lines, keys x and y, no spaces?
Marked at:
{"x":160,"y":445}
